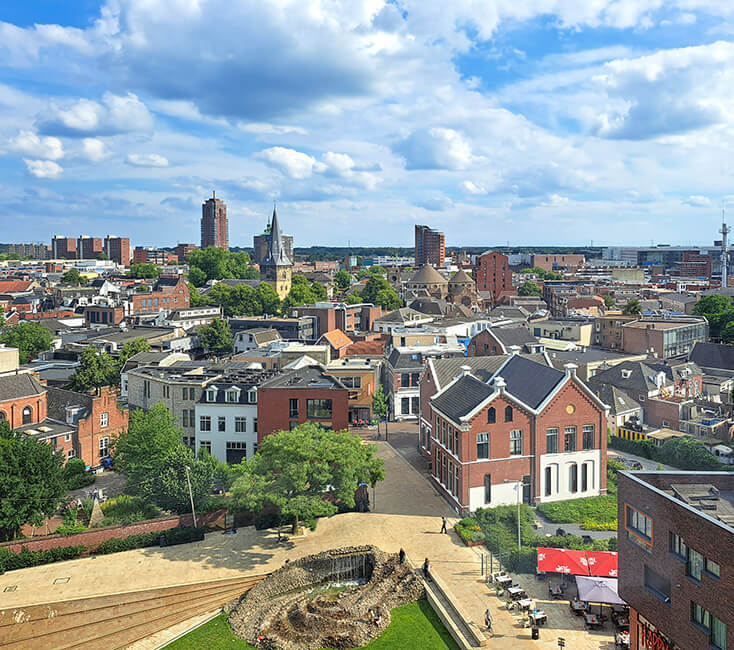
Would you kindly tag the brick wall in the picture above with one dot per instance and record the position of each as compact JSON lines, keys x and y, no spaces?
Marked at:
{"x":673,"y":619}
{"x":93,"y":538}
{"x":91,"y":431}
{"x":12,"y":410}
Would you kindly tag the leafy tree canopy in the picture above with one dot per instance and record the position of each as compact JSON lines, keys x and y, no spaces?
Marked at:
{"x":30,"y":339}
{"x":72,"y":276}
{"x":632,"y":308}
{"x":719,"y":312}
{"x":303,"y":292}
{"x":609,"y":302}
{"x":379,"y":292}
{"x":143,"y":271}
{"x":31,"y":481}
{"x":295,"y":469}
{"x":151,"y":435}
{"x":217,"y":337}
{"x":689,"y":454}
{"x":529,"y":289}
{"x":343,"y":279}
{"x":96,"y":369}
{"x":542,"y":273}
{"x":215,"y":263}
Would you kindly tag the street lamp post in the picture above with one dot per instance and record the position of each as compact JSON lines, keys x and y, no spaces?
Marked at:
{"x":517,"y":487}
{"x":191,"y":496}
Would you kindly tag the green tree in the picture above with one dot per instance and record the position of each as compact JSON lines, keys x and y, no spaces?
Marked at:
{"x":130,"y":349}
{"x":719,"y":312}
{"x":237,"y":300}
{"x":96,"y":369}
{"x":197,"y":277}
{"x":168,"y":487}
{"x":102,"y":256}
{"x":529,"y":288}
{"x":32,"y":483}
{"x":269,"y":300}
{"x":379,"y":292}
{"x":72,"y":276}
{"x":343,"y":279}
{"x":293,"y":470}
{"x":380,"y":405}
{"x":353,"y":298}
{"x":609,"y":302}
{"x":151,"y":435}
{"x":215,"y":263}
{"x":688,"y":453}
{"x":216,"y":337}
{"x":632,"y":308}
{"x":30,"y":339}
{"x":319,"y":292}
{"x":143,"y":271}
{"x":301,"y":293}
{"x":195,"y":298}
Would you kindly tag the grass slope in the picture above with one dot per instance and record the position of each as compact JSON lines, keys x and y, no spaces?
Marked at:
{"x":413,"y":627}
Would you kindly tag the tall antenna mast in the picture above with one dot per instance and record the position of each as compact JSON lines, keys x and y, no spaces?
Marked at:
{"x":725,"y":230}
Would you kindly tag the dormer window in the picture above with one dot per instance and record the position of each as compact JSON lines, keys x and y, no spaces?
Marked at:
{"x":252,"y":395}
{"x":211,"y":395}
{"x":233,"y":395}
{"x":626,"y":374}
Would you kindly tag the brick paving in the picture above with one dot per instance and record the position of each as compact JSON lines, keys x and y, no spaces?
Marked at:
{"x":407,"y":513}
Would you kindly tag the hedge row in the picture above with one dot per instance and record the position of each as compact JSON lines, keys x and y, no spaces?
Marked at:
{"x":10,"y":561}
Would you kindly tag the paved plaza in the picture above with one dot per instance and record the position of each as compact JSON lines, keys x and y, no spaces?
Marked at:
{"x":407,"y":513}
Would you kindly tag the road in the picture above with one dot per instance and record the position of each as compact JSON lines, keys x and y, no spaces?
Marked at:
{"x":645,"y":462}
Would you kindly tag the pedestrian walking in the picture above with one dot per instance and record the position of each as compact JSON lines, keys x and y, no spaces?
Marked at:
{"x":443,"y":524}
{"x":487,"y":619}
{"x":401,"y":555}
{"x":427,"y":570}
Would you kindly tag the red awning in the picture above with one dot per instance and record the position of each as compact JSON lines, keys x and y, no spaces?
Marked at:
{"x":602,"y":563}
{"x":562,"y":560}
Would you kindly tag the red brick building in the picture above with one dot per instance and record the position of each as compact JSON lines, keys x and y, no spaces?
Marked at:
{"x":63,"y":248}
{"x":501,"y":340}
{"x":22,"y":399}
{"x":492,"y":273}
{"x":152,"y":256}
{"x":88,"y":248}
{"x":340,"y":316}
{"x":182,"y":251}
{"x":675,"y":570}
{"x":169,"y":292}
{"x":556,"y":262}
{"x":297,"y":396}
{"x":117,"y":249}
{"x":508,"y":428}
{"x":103,"y":315}
{"x":430,"y":247}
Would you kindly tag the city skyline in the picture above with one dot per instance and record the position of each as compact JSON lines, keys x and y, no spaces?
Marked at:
{"x":537,"y":123}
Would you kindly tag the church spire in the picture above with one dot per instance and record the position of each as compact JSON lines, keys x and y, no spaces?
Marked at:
{"x":276,"y":251}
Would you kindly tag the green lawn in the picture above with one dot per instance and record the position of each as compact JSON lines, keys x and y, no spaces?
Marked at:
{"x":413,"y":627}
{"x":602,"y":509}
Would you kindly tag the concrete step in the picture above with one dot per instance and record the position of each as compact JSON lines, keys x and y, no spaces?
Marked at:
{"x":84,"y":622}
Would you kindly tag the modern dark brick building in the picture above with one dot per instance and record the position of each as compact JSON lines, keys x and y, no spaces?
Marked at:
{"x":676,"y":538}
{"x":117,"y":249}
{"x":430,"y":247}
{"x":214,"y":227}
{"x":492,"y":273}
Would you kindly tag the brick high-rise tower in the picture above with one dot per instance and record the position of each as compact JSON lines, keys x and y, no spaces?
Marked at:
{"x":214,"y":228}
{"x":430,"y":247}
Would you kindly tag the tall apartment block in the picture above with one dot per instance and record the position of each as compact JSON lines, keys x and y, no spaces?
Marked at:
{"x":430,"y":247}
{"x":63,"y":248}
{"x":492,"y":273}
{"x":117,"y":249}
{"x":87,"y":248}
{"x":33,"y":251}
{"x":214,"y":228}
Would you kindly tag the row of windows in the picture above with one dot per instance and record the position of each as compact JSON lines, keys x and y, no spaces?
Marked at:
{"x":483,"y":451}
{"x":410,"y":379}
{"x":696,"y":563}
{"x":588,"y":438}
{"x":492,"y":414}
{"x":587,"y":478}
{"x":715,"y":628}
{"x":240,"y":423}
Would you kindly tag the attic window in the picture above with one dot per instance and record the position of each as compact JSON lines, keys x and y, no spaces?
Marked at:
{"x":233,"y":395}
{"x":211,"y":394}
{"x":626,"y":374}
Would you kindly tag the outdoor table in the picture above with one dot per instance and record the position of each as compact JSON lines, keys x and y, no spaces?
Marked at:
{"x":525,"y":603}
{"x":516,"y":593}
{"x":504,"y":579}
{"x":556,"y":591}
{"x":578,"y":605}
{"x":539,"y":617}
{"x":592,"y":620}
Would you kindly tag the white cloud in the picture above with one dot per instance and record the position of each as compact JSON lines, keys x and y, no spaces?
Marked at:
{"x":263,"y":128}
{"x":94,"y":149}
{"x":292,"y":163}
{"x":29,"y":143}
{"x":435,"y":148}
{"x":115,"y":114}
{"x":146,"y":160}
{"x":697,"y":201}
{"x":43,"y":168}
{"x":474,"y":188}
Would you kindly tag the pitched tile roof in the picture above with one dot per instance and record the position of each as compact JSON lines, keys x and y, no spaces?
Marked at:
{"x":337,"y":339}
{"x":482,"y":367}
{"x":367,"y":348}
{"x":308,"y":377}
{"x":529,"y":381}
{"x":462,"y":397}
{"x":15,"y":286}
{"x":713,"y":355}
{"x":18,"y":386}
{"x":510,"y":336}
{"x":615,"y":398}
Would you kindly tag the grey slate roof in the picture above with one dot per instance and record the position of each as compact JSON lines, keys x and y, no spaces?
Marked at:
{"x":19,"y":386}
{"x":462,"y":397}
{"x":482,"y":367}
{"x":405,"y":360}
{"x":59,"y":399}
{"x":244,"y":380}
{"x":642,"y":375}
{"x":309,"y":377}
{"x":615,"y":398}
{"x":276,"y":255}
{"x":509,"y":312}
{"x":429,"y":306}
{"x":530,"y":382}
{"x":510,"y":336}
{"x":165,"y":281}
{"x":713,"y":355}
{"x":401,"y":315}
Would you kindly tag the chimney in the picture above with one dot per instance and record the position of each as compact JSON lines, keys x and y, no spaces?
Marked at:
{"x":570,"y":369}
{"x":465,"y":371}
{"x":499,"y":384}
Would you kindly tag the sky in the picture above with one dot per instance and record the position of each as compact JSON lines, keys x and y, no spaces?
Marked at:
{"x":528,"y":122}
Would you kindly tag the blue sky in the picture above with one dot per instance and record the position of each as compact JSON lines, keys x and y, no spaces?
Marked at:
{"x":533,"y":122}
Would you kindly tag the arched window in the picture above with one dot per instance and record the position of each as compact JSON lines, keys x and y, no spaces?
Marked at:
{"x":2,"y":416}
{"x":573,"y":478}
{"x":508,"y":414}
{"x":27,"y":415}
{"x":491,"y":415}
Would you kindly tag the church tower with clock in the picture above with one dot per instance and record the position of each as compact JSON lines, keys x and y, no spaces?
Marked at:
{"x":277,"y":267}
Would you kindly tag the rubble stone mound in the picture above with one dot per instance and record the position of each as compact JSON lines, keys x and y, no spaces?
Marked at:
{"x":287,"y":611}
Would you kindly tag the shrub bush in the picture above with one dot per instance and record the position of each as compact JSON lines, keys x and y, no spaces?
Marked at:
{"x":10,"y":561}
{"x":124,"y":509}
{"x":171,"y":536}
{"x":76,"y":475}
{"x":592,"y":524}
{"x":70,"y":529}
{"x":602,"y":509}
